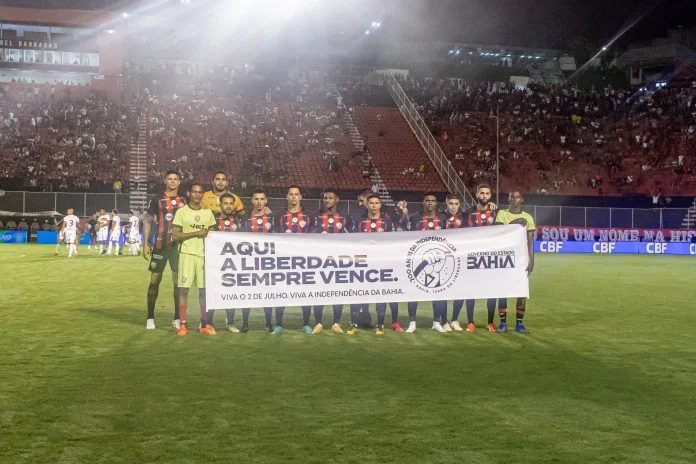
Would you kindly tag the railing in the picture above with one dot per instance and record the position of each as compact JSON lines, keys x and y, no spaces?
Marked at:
{"x":442,"y":164}
{"x":85,"y":204}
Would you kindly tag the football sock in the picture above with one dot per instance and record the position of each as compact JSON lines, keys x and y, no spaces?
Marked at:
{"x":394,"y":308}
{"x":245,"y":316}
{"x":469,"y":311}
{"x":412,"y":308}
{"x":152,"y":292}
{"x":491,"y":309}
{"x":381,"y":312}
{"x":456,"y":309}
{"x":520,"y":314}
{"x":306,"y":312}
{"x":182,"y":312}
{"x":206,"y":316}
{"x":118,"y":247}
{"x":318,"y":314}
{"x":502,"y":309}
{"x":337,"y":313}
{"x":440,"y":307}
{"x":268,"y":312}
{"x":176,"y":302}
{"x":279,"y":315}
{"x":230,"y":316}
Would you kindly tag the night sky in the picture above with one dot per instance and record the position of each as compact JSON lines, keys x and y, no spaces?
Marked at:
{"x":534,"y":23}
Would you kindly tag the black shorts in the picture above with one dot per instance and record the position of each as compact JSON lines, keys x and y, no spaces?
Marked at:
{"x":159,"y":260}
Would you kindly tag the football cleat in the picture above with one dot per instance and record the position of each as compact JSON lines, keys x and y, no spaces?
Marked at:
{"x":277,"y":330}
{"x":437,"y":327}
{"x":491,"y":327}
{"x":520,"y":328}
{"x":447,"y":327}
{"x":207,"y":330}
{"x":456,"y":327}
{"x":353,"y":330}
{"x":176,"y":323}
{"x":182,"y":331}
{"x":396,"y":327}
{"x":319,"y":328}
{"x":502,"y":328}
{"x":411,"y":327}
{"x":150,"y":324}
{"x":244,"y":329}
{"x":380,"y":330}
{"x":470,"y":327}
{"x":232,"y":328}
{"x":336,"y":328}
{"x":307,"y":329}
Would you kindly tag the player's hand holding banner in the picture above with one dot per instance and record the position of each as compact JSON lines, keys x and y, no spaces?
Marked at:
{"x":246,"y":270}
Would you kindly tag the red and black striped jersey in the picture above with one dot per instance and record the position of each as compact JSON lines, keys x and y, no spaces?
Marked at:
{"x":227,"y":224}
{"x":163,"y":210}
{"x":294,"y":223}
{"x":262,"y":224}
{"x":455,"y":221}
{"x":476,"y":218}
{"x":382,"y":224}
{"x":420,"y":222}
{"x":328,"y":223}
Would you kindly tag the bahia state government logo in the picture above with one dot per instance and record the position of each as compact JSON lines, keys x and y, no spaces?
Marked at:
{"x":432,"y":264}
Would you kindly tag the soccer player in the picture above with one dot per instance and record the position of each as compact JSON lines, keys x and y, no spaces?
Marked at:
{"x":294,"y":221}
{"x":227,"y":222}
{"x":427,"y":219}
{"x":260,"y":222}
{"x":482,"y":214}
{"x":330,"y":221}
{"x":375,"y":221}
{"x":515,"y":215}
{"x":211,"y":198}
{"x":165,"y":249}
{"x":69,"y":231}
{"x":103,"y":221}
{"x":115,"y":236}
{"x":133,"y":234}
{"x":190,"y":227}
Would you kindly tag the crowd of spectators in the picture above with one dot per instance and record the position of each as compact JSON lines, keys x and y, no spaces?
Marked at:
{"x":49,"y":144}
{"x":560,"y":139}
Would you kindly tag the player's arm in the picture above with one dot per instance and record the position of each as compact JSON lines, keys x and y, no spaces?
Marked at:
{"x":179,"y":235}
{"x":147,"y":219}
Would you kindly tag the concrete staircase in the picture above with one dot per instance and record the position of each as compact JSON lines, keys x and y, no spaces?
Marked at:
{"x":138,"y":166}
{"x":358,"y":143}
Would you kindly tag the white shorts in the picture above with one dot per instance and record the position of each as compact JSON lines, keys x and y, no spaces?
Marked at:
{"x":102,"y":234}
{"x":115,"y":236}
{"x":70,"y":237}
{"x":133,"y":237}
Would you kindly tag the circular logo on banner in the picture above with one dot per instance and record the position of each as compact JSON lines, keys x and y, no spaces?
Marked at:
{"x":432,"y":264}
{"x":331,"y":221}
{"x":259,"y":221}
{"x":169,"y":216}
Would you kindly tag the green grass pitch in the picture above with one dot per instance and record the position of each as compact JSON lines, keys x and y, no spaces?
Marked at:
{"x":607,"y":375}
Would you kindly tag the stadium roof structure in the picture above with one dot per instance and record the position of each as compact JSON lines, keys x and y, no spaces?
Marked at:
{"x":55,"y":17}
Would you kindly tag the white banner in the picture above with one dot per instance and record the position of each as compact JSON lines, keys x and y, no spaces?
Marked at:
{"x":245,"y":270}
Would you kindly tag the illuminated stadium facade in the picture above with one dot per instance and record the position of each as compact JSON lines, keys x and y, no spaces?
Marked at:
{"x":66,"y":49}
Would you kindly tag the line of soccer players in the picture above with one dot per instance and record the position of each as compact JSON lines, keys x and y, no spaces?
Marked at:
{"x":105,"y":230}
{"x":180,"y":225}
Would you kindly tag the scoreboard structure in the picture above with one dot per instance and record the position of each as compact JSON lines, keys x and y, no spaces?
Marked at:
{"x":81,"y":50}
